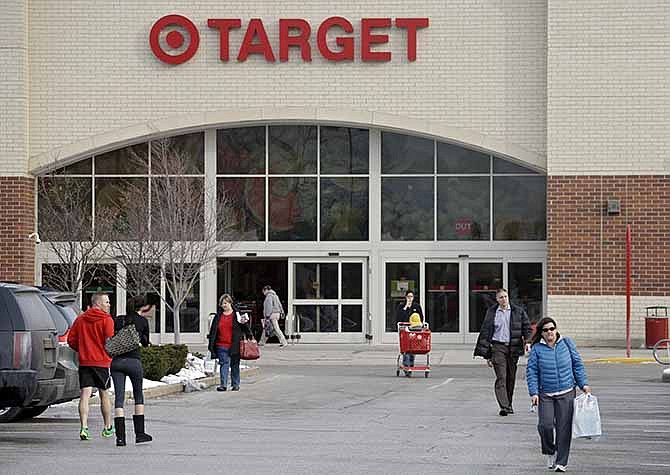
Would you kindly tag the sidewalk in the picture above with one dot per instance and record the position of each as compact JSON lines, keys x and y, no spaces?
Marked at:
{"x":385,"y":355}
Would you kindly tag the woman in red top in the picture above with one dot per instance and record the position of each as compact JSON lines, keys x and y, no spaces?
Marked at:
{"x":224,"y":341}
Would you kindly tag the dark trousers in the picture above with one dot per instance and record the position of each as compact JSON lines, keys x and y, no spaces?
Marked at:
{"x":131,"y":367}
{"x":555,"y":413}
{"x":504,"y":365}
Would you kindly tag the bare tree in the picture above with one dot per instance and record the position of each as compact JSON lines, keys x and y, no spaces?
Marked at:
{"x":65,"y":223}
{"x":173,"y":233}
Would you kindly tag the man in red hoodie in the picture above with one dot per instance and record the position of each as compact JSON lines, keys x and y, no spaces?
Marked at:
{"x":87,"y":336}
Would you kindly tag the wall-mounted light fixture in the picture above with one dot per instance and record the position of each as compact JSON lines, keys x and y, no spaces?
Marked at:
{"x":613,"y":206}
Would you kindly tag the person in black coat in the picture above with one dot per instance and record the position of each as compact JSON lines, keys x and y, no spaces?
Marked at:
{"x":504,"y":336}
{"x":130,"y":364}
{"x":224,"y":341}
{"x":402,"y":314}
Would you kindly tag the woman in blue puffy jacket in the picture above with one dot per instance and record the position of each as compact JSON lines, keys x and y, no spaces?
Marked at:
{"x":553,"y":371}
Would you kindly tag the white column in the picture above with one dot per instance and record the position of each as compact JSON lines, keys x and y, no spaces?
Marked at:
{"x":208,"y":276}
{"x":375,"y":265}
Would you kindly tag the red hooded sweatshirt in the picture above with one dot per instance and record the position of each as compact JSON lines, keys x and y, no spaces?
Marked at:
{"x":88,"y":335}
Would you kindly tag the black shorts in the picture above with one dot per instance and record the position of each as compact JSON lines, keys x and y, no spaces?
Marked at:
{"x":94,"y":377}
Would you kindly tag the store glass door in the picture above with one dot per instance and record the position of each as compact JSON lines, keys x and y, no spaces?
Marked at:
{"x":328,"y":298}
{"x":443,"y":297}
{"x":484,"y":278}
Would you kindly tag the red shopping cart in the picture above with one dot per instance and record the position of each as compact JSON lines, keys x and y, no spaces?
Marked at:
{"x":413,"y":342}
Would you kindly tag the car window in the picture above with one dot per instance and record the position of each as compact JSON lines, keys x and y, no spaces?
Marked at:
{"x":35,"y":314}
{"x":57,"y":316}
{"x":69,"y":312}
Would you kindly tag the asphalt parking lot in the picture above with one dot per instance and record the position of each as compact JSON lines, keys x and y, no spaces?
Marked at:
{"x":357,"y":419}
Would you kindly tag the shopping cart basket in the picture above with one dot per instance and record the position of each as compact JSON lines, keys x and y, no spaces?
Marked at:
{"x":413,"y":342}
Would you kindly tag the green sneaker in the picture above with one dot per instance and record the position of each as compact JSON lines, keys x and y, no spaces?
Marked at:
{"x":108,"y":432}
{"x":83,"y":434}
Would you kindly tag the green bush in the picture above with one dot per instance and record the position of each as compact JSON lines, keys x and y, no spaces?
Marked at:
{"x":163,"y":359}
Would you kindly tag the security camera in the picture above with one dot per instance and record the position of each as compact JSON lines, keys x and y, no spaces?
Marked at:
{"x":36,"y":237}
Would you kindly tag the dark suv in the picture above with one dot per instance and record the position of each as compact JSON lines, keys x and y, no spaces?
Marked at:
{"x":36,"y":369}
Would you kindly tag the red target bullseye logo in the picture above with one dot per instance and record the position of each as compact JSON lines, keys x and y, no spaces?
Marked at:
{"x":174,"y":39}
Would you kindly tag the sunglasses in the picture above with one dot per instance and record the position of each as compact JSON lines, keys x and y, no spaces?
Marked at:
{"x":550,"y":329}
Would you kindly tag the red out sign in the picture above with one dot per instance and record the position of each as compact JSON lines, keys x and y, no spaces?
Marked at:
{"x":293,"y":33}
{"x":463,"y":227}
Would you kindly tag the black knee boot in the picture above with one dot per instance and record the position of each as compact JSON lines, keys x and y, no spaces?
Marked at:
{"x":120,"y":429}
{"x":140,"y":435}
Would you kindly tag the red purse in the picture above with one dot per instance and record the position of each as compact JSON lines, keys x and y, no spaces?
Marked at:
{"x":249,"y":349}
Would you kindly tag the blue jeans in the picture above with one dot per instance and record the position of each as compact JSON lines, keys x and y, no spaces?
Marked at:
{"x":229,"y":362}
{"x":407,"y":359}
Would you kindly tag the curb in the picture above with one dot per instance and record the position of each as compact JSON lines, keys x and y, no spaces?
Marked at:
{"x":619,"y":360}
{"x":175,"y":388}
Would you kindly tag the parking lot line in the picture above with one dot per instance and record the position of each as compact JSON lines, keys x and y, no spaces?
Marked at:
{"x":448,"y":380}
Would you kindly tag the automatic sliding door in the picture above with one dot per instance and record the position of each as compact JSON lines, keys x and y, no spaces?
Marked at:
{"x":328,"y":297}
{"x":400,"y":277}
{"x":484,"y":279}
{"x":525,"y":287}
{"x":442,"y":297}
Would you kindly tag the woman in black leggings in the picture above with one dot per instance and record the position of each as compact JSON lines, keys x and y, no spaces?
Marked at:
{"x":130,"y":364}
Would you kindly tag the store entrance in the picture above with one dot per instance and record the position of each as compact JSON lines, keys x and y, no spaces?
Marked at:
{"x":244,"y":278}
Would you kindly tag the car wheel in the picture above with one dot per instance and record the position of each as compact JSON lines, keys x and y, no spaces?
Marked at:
{"x":13,"y":414}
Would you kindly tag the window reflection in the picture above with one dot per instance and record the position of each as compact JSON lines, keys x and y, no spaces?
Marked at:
{"x":240,"y":151}
{"x":247,"y":198}
{"x":292,"y":209}
{"x":407,"y":209}
{"x":463,"y":208}
{"x":344,"y":209}
{"x":131,"y":160}
{"x":520,"y":208}
{"x":407,"y":154}
{"x":178,"y":208}
{"x":82,"y":167}
{"x":456,"y":159}
{"x":292,"y":149}
{"x":64,"y":208}
{"x":505,"y":166}
{"x":180,"y":155}
{"x":344,"y":150}
{"x":121,"y":207}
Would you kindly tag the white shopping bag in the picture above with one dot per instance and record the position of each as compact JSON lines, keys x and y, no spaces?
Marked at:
{"x":586,"y":418}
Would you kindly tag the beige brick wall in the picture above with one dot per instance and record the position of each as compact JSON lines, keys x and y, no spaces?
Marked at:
{"x":481,"y":66}
{"x":608,"y":83}
{"x":13,"y":88}
{"x":601,"y":320}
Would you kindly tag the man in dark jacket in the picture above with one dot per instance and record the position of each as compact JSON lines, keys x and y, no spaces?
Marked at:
{"x":504,"y":336}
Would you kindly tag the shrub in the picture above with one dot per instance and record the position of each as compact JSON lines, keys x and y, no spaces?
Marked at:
{"x":161,"y":360}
